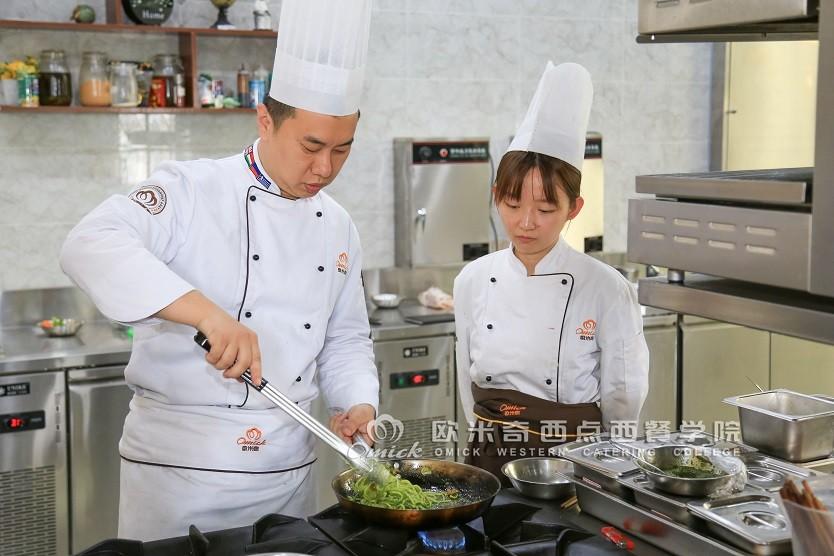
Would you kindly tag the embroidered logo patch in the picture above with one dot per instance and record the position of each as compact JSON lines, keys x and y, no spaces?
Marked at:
{"x":511,"y":410}
{"x":342,"y":263}
{"x":150,"y":197}
{"x":251,"y":440}
{"x":587,"y":331}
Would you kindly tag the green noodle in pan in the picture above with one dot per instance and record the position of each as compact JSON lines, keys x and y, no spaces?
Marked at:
{"x":400,"y":494}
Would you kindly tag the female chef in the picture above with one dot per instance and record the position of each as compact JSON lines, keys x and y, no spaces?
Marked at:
{"x":249,"y":251}
{"x":549,"y":340}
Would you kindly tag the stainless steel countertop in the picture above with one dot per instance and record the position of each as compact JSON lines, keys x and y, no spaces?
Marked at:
{"x":29,"y":349}
{"x":100,"y":343}
{"x":26,"y":349}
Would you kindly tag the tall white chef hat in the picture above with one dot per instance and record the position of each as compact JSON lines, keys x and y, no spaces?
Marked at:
{"x":557,"y":118}
{"x":321,"y":54}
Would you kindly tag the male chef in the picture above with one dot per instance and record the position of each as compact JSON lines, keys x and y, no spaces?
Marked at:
{"x":249,"y":251}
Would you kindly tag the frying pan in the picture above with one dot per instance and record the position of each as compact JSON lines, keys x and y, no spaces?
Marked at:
{"x":477,"y":489}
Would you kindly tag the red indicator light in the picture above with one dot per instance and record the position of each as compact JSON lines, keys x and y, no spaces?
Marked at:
{"x":15,"y":423}
{"x":418,"y":379}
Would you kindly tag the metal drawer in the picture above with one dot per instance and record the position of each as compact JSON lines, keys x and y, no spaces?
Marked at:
{"x":757,"y":245}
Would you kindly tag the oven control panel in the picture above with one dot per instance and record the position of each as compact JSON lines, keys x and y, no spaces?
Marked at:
{"x":16,"y":422}
{"x":412,"y":379}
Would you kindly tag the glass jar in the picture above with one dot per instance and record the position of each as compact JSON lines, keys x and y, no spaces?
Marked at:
{"x":168,"y":82}
{"x":123,"y":88}
{"x":144,"y":76}
{"x":95,"y":83}
{"x":54,"y":83}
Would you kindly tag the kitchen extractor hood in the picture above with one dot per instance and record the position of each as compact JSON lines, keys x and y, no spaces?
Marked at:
{"x":726,"y":20}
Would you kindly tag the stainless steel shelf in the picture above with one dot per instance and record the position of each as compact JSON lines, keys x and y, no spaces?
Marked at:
{"x":785,"y":186}
{"x":804,"y":31}
{"x":780,"y":310}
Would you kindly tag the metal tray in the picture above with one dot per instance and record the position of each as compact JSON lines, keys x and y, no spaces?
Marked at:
{"x":769,"y":474}
{"x":754,"y":523}
{"x":602,"y":464}
{"x":786,"y":424}
{"x":652,"y":528}
{"x":667,"y":505}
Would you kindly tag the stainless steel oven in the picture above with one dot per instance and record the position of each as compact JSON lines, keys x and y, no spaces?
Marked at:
{"x":33,"y":465}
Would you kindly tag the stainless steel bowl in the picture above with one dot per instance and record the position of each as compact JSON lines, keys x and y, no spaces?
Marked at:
{"x":386,"y":300}
{"x":671,"y":455}
{"x":67,"y":327}
{"x":540,"y":477}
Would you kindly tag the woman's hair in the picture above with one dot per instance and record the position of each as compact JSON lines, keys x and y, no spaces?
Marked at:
{"x":515,"y":165}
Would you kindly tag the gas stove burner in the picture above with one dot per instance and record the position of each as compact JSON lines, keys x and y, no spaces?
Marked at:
{"x":443,"y":541}
{"x":765,"y":478}
{"x":764,"y":520}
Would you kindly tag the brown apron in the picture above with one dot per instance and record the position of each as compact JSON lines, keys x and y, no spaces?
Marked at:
{"x":506,"y":417}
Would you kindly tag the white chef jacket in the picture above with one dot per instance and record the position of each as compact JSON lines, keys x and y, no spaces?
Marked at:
{"x":571,"y":333}
{"x":287,"y":269}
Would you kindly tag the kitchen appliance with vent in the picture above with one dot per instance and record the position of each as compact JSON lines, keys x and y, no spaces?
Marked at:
{"x":760,"y":243}
{"x":33,"y":464}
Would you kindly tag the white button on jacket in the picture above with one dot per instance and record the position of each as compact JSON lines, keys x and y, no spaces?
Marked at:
{"x":572,"y":333}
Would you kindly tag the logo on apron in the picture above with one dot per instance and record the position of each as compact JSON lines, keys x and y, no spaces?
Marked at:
{"x":150,"y":197}
{"x":511,"y":410}
{"x":588,"y":330}
{"x":251,"y":440}
{"x":342,"y":263}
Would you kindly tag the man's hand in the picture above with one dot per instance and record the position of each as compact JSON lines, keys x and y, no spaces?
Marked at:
{"x":358,"y":419}
{"x":234,"y":347}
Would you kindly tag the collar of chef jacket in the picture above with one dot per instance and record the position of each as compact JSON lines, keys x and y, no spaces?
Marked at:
{"x":554,"y":261}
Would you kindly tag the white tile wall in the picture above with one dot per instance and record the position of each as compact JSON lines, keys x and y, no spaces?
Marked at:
{"x":437,"y":67}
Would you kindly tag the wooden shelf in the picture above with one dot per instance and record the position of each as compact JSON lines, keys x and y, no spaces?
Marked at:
{"x":117,"y":23}
{"x":130,"y":28}
{"x":116,"y":110}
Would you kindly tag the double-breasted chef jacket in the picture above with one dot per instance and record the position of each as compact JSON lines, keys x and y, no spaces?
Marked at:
{"x":570,"y":333}
{"x":287,"y":269}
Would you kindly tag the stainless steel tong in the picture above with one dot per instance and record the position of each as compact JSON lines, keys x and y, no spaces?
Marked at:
{"x":356,"y":455}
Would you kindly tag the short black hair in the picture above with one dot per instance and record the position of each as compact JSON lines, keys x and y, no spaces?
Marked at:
{"x":278,"y":111}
